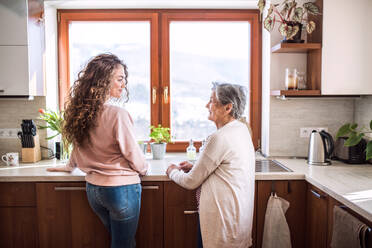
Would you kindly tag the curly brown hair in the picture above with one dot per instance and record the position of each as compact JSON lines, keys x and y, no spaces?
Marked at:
{"x":87,"y":96}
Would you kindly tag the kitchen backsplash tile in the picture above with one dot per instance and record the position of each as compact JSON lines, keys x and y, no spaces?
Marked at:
{"x":11,"y":114}
{"x":287,"y":117}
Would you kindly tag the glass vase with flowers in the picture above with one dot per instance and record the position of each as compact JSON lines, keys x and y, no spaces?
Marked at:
{"x":54,"y":121}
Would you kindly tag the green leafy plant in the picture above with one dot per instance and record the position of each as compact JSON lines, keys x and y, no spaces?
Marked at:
{"x":355,"y":136}
{"x":160,"y":134}
{"x":54,"y":121}
{"x":290,"y":16}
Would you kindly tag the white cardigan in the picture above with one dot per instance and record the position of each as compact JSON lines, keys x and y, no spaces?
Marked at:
{"x":226,"y":171}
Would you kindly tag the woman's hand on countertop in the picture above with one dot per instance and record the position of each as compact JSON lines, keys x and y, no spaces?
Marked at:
{"x":186,"y":166}
{"x":171,"y":167}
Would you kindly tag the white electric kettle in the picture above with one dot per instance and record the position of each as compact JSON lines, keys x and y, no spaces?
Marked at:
{"x":321,"y":147}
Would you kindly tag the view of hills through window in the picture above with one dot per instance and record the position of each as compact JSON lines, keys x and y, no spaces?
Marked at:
{"x":130,"y":41}
{"x":200,"y":53}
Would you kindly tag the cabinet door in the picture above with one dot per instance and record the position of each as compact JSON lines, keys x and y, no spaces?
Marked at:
{"x":17,"y":228}
{"x":254,"y":227}
{"x":66,"y":219}
{"x":295,"y":193}
{"x":18,"y":215}
{"x":13,"y":23}
{"x":14,"y":78}
{"x":180,"y":217}
{"x":346,"y":57}
{"x":331,"y":203}
{"x":150,"y":227}
{"x":317,"y":218}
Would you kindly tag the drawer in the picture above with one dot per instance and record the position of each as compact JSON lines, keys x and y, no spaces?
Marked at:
{"x":17,"y":194}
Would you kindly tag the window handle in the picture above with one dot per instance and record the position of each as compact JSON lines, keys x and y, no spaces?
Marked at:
{"x":153,"y":95}
{"x":166,"y":94}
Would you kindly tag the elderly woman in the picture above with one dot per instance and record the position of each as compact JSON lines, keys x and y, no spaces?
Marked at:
{"x":224,"y":173}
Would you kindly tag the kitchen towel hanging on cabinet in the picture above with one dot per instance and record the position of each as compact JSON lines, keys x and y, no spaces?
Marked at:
{"x":276,"y":231}
{"x":348,"y":231}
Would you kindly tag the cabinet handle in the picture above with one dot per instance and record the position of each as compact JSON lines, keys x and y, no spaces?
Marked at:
{"x":190,"y":212}
{"x":317,"y":194}
{"x":69,"y":188}
{"x":150,"y":187}
{"x":2,"y":91}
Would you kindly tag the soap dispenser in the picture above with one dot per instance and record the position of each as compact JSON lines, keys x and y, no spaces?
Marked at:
{"x":191,"y":151}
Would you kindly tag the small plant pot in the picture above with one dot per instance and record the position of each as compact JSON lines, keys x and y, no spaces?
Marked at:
{"x":143,"y":147}
{"x":158,"y":150}
{"x":297,"y":37}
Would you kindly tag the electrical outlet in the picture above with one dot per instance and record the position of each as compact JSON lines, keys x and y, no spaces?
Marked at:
{"x":9,"y":133}
{"x":321,"y":129}
{"x":306,"y":131}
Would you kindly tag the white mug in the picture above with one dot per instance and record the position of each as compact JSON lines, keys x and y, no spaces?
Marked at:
{"x":11,"y":158}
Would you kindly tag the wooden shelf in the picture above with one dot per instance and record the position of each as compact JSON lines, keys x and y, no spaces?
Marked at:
{"x":295,"y":47}
{"x":295,"y":93}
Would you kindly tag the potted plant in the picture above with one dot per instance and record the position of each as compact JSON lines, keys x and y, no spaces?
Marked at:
{"x":143,"y":146}
{"x":290,"y":17}
{"x":355,"y":136}
{"x":54,"y":122}
{"x":160,"y":135}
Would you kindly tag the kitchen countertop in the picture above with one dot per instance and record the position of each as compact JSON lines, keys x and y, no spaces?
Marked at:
{"x":349,"y":184}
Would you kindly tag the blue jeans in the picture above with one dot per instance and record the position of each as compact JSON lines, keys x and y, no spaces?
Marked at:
{"x":118,"y":208}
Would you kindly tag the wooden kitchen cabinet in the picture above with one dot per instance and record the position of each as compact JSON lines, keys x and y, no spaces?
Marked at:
{"x":294,"y":192}
{"x":150,"y":227}
{"x":317,"y":218}
{"x":66,"y":219}
{"x":180,"y":217}
{"x":18,"y":217}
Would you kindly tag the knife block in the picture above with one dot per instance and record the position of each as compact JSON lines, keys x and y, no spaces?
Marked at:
{"x":32,"y":155}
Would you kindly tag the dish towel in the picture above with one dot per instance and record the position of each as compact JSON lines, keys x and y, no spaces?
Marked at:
{"x":276,"y":231}
{"x":348,"y":231}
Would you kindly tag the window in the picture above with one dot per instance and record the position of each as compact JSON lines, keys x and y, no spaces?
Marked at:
{"x":129,"y":40}
{"x":172,"y":57}
{"x":200,"y":53}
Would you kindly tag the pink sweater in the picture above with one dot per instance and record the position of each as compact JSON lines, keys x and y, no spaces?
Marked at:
{"x":113,"y":156}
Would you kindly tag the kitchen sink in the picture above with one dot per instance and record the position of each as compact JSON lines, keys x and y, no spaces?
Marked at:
{"x":270,"y":166}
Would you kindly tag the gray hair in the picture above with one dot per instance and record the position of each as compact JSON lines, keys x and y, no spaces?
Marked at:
{"x":231,"y":93}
